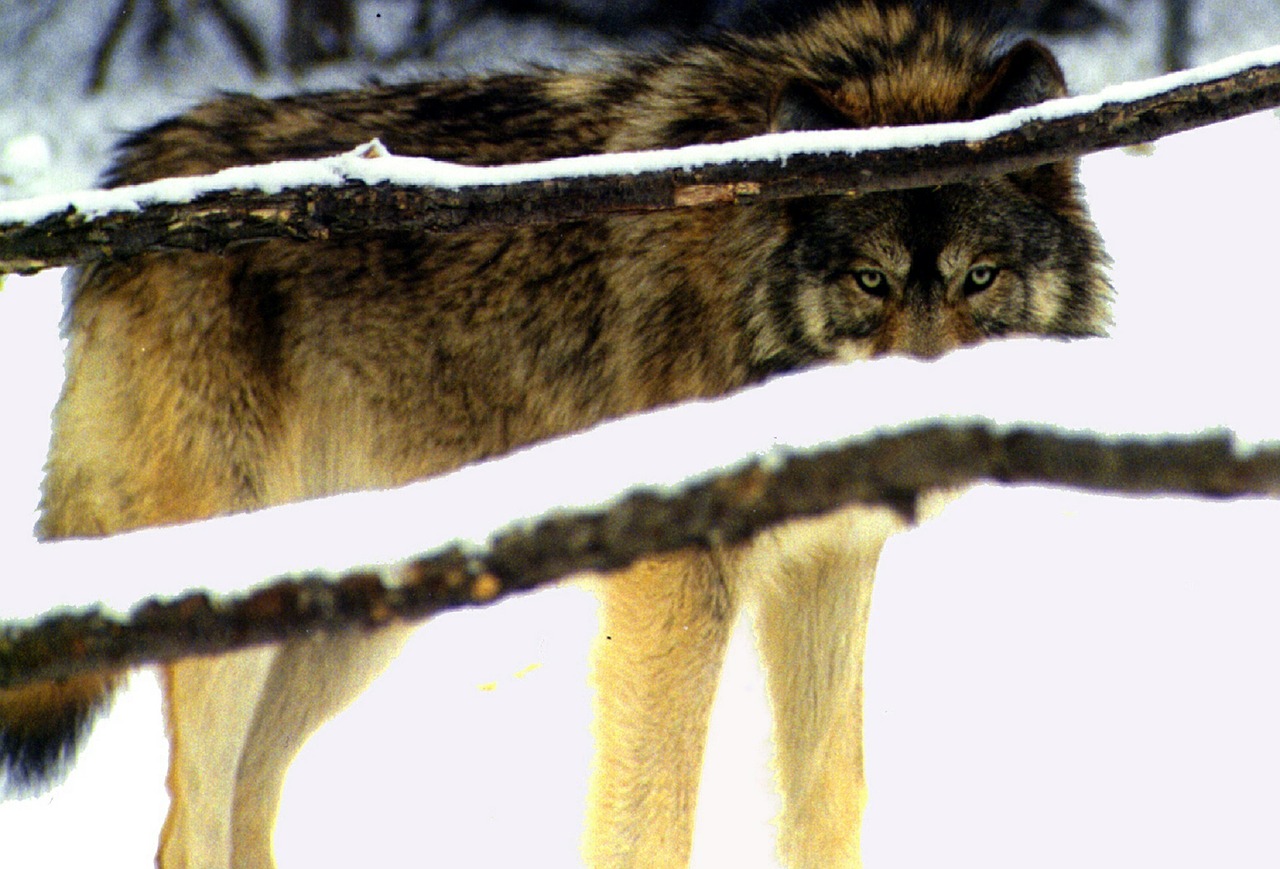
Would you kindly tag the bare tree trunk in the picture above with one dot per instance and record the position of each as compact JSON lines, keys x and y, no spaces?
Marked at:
{"x":241,"y":34}
{"x":108,"y":44}
{"x":317,"y":31}
{"x":1177,"y":34}
{"x":163,"y":24}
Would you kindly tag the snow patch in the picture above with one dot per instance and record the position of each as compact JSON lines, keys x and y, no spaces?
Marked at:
{"x":660,"y":451}
{"x":25,"y":154}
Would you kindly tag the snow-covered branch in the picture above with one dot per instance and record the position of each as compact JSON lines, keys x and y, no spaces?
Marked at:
{"x":632,"y":488}
{"x":355,"y":194}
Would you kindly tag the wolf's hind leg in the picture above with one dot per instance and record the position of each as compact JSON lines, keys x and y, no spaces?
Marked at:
{"x":310,"y":681}
{"x":210,"y":704}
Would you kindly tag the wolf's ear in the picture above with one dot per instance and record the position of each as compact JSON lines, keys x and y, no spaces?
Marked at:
{"x":800,"y":105}
{"x":1027,"y":74}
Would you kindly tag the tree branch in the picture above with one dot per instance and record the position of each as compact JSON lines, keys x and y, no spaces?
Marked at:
{"x":348,"y":195}
{"x":726,"y":503}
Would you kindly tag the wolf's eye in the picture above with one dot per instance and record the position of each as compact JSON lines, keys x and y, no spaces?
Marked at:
{"x":872,"y":282}
{"x":979,"y":279}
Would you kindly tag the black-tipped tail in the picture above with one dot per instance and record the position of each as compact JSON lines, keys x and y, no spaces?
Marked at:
{"x":41,"y":726}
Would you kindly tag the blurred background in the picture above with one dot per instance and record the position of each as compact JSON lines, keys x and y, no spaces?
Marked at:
{"x":1054,"y":679}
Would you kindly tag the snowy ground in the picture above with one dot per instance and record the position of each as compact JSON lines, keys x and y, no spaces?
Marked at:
{"x":1054,"y":679}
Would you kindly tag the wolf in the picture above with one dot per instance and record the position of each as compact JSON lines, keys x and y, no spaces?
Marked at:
{"x":201,"y":384}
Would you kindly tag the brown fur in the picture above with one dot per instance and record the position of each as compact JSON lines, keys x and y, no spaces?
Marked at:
{"x":201,"y":384}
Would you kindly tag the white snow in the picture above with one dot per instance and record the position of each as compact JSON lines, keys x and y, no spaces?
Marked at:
{"x":656,"y":451}
{"x":1054,"y":679}
{"x":25,"y":154}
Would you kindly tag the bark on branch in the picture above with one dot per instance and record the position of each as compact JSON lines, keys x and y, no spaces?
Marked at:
{"x":807,"y":164}
{"x":721,"y":507}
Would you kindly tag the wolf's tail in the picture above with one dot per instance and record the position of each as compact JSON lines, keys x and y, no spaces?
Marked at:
{"x":42,"y":725}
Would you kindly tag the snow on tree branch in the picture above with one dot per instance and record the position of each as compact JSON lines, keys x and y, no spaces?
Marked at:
{"x":351,"y":194}
{"x":632,"y":488}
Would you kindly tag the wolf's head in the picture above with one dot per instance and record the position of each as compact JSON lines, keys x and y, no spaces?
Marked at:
{"x":927,"y":270}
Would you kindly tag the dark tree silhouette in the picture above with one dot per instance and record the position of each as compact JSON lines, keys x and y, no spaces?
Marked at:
{"x":318,"y":31}
{"x":165,"y":20}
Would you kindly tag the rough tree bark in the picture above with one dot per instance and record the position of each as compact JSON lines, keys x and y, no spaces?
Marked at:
{"x":212,"y":221}
{"x":724,"y":506}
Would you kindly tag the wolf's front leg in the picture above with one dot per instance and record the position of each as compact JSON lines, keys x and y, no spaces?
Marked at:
{"x":665,"y":626}
{"x":811,"y":585}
